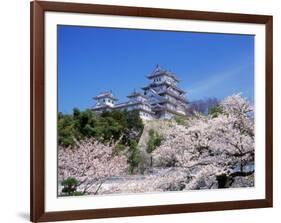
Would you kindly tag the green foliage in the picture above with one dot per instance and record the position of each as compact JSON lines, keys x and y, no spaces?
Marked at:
{"x":215,"y":111}
{"x":77,"y":193}
{"x":134,"y":155}
{"x":120,"y":147}
{"x":133,"y":120}
{"x":67,"y":132}
{"x":180,"y":120}
{"x":70,"y":186}
{"x":105,"y":127}
{"x":154,"y":140}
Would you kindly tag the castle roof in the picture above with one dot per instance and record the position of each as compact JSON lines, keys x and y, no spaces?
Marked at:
{"x":158,"y":71}
{"x":135,"y":94}
{"x":167,"y":101}
{"x":163,"y":83}
{"x":128,"y":104}
{"x":102,"y":107}
{"x":172,"y":94}
{"x":107,"y":94}
{"x":163,"y":101}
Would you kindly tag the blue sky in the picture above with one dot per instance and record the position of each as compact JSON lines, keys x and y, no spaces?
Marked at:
{"x":92,"y":60}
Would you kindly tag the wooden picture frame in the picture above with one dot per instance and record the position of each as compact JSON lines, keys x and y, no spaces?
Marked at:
{"x":37,"y":180}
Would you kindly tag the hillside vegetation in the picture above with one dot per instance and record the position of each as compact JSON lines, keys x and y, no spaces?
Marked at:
{"x":117,"y":152}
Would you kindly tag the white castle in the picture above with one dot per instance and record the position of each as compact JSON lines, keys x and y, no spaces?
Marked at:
{"x":161,"y":98}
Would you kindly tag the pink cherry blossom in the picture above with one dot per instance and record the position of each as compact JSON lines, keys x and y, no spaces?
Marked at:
{"x":90,"y":162}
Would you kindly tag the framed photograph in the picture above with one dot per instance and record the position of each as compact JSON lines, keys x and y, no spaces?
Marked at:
{"x":147,"y":111}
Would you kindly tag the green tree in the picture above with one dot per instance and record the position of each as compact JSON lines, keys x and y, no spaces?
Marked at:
{"x":215,"y":111}
{"x":108,"y":126}
{"x":70,"y":187}
{"x":67,"y":132}
{"x":154,"y":140}
{"x":133,"y":120}
{"x":134,"y":156}
{"x":85,"y":122}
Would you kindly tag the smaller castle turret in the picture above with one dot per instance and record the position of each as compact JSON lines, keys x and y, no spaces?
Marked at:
{"x":137,"y":97}
{"x":104,"y":101}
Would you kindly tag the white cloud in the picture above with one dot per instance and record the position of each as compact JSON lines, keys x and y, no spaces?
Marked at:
{"x":214,"y":81}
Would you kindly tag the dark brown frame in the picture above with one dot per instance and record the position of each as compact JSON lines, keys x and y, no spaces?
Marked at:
{"x":37,"y":197}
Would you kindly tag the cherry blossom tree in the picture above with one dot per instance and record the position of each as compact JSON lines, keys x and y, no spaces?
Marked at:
{"x":210,"y":147}
{"x":203,"y":153}
{"x":234,"y":131}
{"x":91,"y":163}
